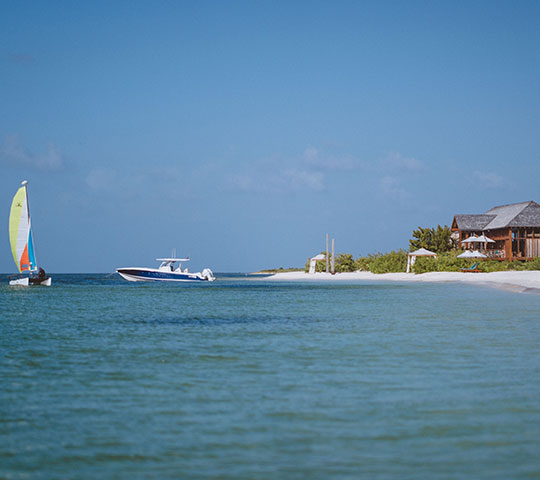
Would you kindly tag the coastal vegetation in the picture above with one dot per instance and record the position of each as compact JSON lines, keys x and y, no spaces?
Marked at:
{"x":438,"y":240}
{"x":448,"y":262}
{"x":396,"y":261}
{"x":279,"y":270}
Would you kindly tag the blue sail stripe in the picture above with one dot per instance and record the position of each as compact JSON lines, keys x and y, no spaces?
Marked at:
{"x":31,"y":253}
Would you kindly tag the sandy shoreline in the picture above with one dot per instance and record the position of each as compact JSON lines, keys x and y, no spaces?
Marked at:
{"x":524,"y":282}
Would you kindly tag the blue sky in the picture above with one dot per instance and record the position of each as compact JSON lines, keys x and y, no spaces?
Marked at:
{"x":240,"y":133}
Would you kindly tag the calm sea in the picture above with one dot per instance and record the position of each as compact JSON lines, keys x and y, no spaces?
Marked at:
{"x":251,"y":379}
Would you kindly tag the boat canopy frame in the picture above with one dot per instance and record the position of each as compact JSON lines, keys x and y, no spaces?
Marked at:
{"x":170,"y":262}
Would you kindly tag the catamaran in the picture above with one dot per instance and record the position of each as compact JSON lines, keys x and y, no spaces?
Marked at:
{"x":22,"y":243}
{"x":167,"y":272}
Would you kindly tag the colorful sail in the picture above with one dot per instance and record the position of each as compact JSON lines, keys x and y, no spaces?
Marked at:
{"x":20,"y":232}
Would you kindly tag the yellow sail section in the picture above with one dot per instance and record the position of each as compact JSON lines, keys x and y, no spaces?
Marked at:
{"x":19,"y":226}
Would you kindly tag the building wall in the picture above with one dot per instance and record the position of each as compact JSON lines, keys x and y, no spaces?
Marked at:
{"x":526,"y":242}
{"x":503,"y":241}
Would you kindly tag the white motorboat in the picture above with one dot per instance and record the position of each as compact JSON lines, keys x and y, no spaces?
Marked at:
{"x":166,"y":272}
{"x":22,"y":243}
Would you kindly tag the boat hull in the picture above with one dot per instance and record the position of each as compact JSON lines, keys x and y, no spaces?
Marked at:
{"x":154,"y":275}
{"x":30,"y":282}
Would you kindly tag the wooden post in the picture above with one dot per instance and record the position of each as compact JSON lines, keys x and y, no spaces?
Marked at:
{"x":327,"y":253}
{"x":333,"y":258}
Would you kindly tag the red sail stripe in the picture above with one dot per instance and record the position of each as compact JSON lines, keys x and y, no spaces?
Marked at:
{"x":25,"y":261}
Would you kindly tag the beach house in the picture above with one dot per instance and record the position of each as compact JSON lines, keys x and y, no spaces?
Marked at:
{"x":507,"y":232}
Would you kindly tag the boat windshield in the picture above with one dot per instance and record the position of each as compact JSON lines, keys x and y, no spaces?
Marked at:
{"x":168,"y":265}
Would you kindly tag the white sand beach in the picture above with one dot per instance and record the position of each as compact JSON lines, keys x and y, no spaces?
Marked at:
{"x":525,"y":282}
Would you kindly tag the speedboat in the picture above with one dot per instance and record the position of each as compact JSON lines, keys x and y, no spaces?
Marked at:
{"x":166,"y":272}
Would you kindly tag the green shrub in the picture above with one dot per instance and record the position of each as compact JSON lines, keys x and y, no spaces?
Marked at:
{"x":448,"y":262}
{"x":425,"y":264}
{"x":362,"y":264}
{"x":495,"y":266}
{"x":533,"y":264}
{"x":344,"y":263}
{"x":395,"y":261}
{"x":522,"y":265}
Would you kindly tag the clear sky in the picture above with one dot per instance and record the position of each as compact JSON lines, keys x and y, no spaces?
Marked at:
{"x":240,"y":133}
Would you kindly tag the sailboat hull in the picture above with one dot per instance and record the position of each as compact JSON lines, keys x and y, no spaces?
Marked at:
{"x":29,"y":282}
{"x":44,"y":283}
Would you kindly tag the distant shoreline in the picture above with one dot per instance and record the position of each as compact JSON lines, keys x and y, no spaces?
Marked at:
{"x":273,"y":271}
{"x":522,"y":281}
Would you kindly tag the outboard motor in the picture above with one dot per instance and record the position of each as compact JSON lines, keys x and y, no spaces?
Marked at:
{"x":208,"y":275}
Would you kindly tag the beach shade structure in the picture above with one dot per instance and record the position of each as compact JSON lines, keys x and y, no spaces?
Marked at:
{"x":421,"y":252}
{"x":483,"y":239}
{"x":471,"y":239}
{"x":314,"y":260}
{"x":473,"y":254}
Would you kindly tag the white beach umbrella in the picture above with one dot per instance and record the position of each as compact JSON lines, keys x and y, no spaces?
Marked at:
{"x":471,"y":239}
{"x":474,"y":254}
{"x":422,"y":252}
{"x":482,"y":238}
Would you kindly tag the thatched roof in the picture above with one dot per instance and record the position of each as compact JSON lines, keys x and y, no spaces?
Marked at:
{"x":528,"y":217}
{"x":525,"y":214}
{"x":472,"y":223}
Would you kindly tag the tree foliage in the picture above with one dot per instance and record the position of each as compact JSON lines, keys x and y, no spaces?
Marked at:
{"x":438,"y":240}
{"x":345,"y":263}
{"x":395,"y":261}
{"x":449,"y":262}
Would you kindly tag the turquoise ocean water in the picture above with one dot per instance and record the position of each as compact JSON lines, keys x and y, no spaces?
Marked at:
{"x":250,"y":379}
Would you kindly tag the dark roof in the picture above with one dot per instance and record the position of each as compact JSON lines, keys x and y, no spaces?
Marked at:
{"x":525,"y":214}
{"x":472,"y":223}
{"x":529,"y":217}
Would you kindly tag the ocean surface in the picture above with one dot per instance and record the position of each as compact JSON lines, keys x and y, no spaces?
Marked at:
{"x":246,"y":378}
